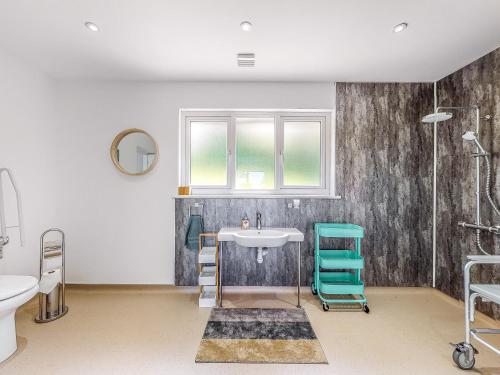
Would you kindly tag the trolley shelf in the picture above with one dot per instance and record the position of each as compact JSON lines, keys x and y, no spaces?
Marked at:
{"x":340,"y":230}
{"x":338,"y":288}
{"x":335,"y":277}
{"x":340,"y":259}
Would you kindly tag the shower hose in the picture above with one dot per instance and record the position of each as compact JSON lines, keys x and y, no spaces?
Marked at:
{"x":490,"y":199}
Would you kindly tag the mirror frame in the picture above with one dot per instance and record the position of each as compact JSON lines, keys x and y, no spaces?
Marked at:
{"x":114,"y":148}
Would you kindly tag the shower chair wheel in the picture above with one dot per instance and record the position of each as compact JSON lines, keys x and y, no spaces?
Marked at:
{"x":366,"y":309}
{"x":326,"y":307}
{"x":460,"y":358}
{"x":313,"y":289}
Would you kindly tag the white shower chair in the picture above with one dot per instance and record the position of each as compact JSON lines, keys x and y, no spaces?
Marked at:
{"x":464,"y":352}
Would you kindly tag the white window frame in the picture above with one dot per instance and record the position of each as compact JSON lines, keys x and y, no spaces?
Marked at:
{"x":327,"y":185}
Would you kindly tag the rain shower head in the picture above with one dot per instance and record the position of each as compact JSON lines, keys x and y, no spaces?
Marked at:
{"x":437,"y":117}
{"x":472,"y":137}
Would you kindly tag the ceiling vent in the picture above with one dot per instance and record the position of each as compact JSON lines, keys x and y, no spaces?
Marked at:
{"x":246,"y":59}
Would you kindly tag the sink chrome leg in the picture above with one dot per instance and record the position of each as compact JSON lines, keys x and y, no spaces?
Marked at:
{"x":220,"y":273}
{"x":298,"y":276}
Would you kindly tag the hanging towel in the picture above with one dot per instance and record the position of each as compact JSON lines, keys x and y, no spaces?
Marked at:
{"x":195,"y":227}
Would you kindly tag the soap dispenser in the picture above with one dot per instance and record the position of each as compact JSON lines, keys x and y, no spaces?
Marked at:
{"x":245,"y":223}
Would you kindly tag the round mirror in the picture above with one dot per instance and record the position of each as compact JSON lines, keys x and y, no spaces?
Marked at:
{"x":134,"y":152}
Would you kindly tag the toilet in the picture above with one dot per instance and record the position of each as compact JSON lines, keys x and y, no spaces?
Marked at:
{"x":14,"y":292}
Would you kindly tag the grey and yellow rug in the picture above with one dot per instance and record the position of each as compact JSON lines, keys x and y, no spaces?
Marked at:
{"x":259,"y":336}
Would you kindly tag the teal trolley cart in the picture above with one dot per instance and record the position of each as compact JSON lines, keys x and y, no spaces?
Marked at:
{"x":337,"y":273}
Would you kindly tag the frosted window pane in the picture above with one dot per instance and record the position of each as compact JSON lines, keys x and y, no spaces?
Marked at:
{"x":255,"y":153}
{"x":302,"y":153}
{"x":208,"y":153}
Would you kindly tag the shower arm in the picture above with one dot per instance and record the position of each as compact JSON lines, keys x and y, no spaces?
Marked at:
{"x":467,"y":108}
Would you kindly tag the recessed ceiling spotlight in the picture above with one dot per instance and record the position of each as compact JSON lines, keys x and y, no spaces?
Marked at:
{"x":246,"y":26}
{"x":399,"y":27}
{"x":91,"y":26}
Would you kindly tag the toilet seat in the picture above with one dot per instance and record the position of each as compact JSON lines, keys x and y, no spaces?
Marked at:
{"x":13,"y":285}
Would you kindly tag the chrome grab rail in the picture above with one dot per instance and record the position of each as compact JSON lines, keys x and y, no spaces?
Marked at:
{"x":4,"y":238}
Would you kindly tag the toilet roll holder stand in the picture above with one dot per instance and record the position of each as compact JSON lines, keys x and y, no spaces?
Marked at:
{"x":52,"y":305}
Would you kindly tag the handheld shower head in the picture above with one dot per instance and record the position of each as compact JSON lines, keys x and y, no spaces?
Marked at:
{"x":472,"y":137}
{"x":437,"y":117}
{"x":469,"y":136}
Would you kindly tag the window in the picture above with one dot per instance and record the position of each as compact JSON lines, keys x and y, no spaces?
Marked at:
{"x":208,"y":153}
{"x":302,"y":153}
{"x":256,"y":152}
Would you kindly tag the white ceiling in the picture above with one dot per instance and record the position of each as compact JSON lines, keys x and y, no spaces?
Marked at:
{"x":306,"y":40}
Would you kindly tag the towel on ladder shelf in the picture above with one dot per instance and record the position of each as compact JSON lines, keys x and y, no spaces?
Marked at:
{"x":195,"y":227}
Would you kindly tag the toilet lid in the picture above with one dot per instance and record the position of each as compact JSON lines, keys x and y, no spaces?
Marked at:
{"x":13,"y":285}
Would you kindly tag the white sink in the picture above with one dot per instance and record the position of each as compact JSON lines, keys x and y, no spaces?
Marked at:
{"x":266,"y":237}
{"x":260,"y":238}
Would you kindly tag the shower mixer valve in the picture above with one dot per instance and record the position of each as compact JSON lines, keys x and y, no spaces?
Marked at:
{"x":4,"y":241}
{"x":494,"y":229}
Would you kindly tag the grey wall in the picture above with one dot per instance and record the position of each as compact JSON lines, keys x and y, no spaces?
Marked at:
{"x":383,"y":174}
{"x":475,"y":84}
{"x":240,"y":266}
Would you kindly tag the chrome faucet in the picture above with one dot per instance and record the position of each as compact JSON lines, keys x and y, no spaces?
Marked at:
{"x":259,"y":220}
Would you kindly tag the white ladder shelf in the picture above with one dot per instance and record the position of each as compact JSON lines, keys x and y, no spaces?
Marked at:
{"x":208,"y":270}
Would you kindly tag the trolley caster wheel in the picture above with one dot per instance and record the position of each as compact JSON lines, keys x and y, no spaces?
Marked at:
{"x":313,"y":289}
{"x":460,"y":356}
{"x":326,"y":307}
{"x":366,"y":309}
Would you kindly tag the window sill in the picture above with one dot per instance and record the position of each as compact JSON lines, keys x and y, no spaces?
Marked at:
{"x":256,"y":196}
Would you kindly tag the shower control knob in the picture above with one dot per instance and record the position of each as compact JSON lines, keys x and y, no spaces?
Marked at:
{"x":4,"y":240}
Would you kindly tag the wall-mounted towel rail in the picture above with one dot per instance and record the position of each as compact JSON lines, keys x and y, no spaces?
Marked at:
{"x":198,"y":206}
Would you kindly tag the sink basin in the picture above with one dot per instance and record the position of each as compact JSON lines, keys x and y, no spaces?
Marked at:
{"x":265,"y":237}
{"x":260,"y":238}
